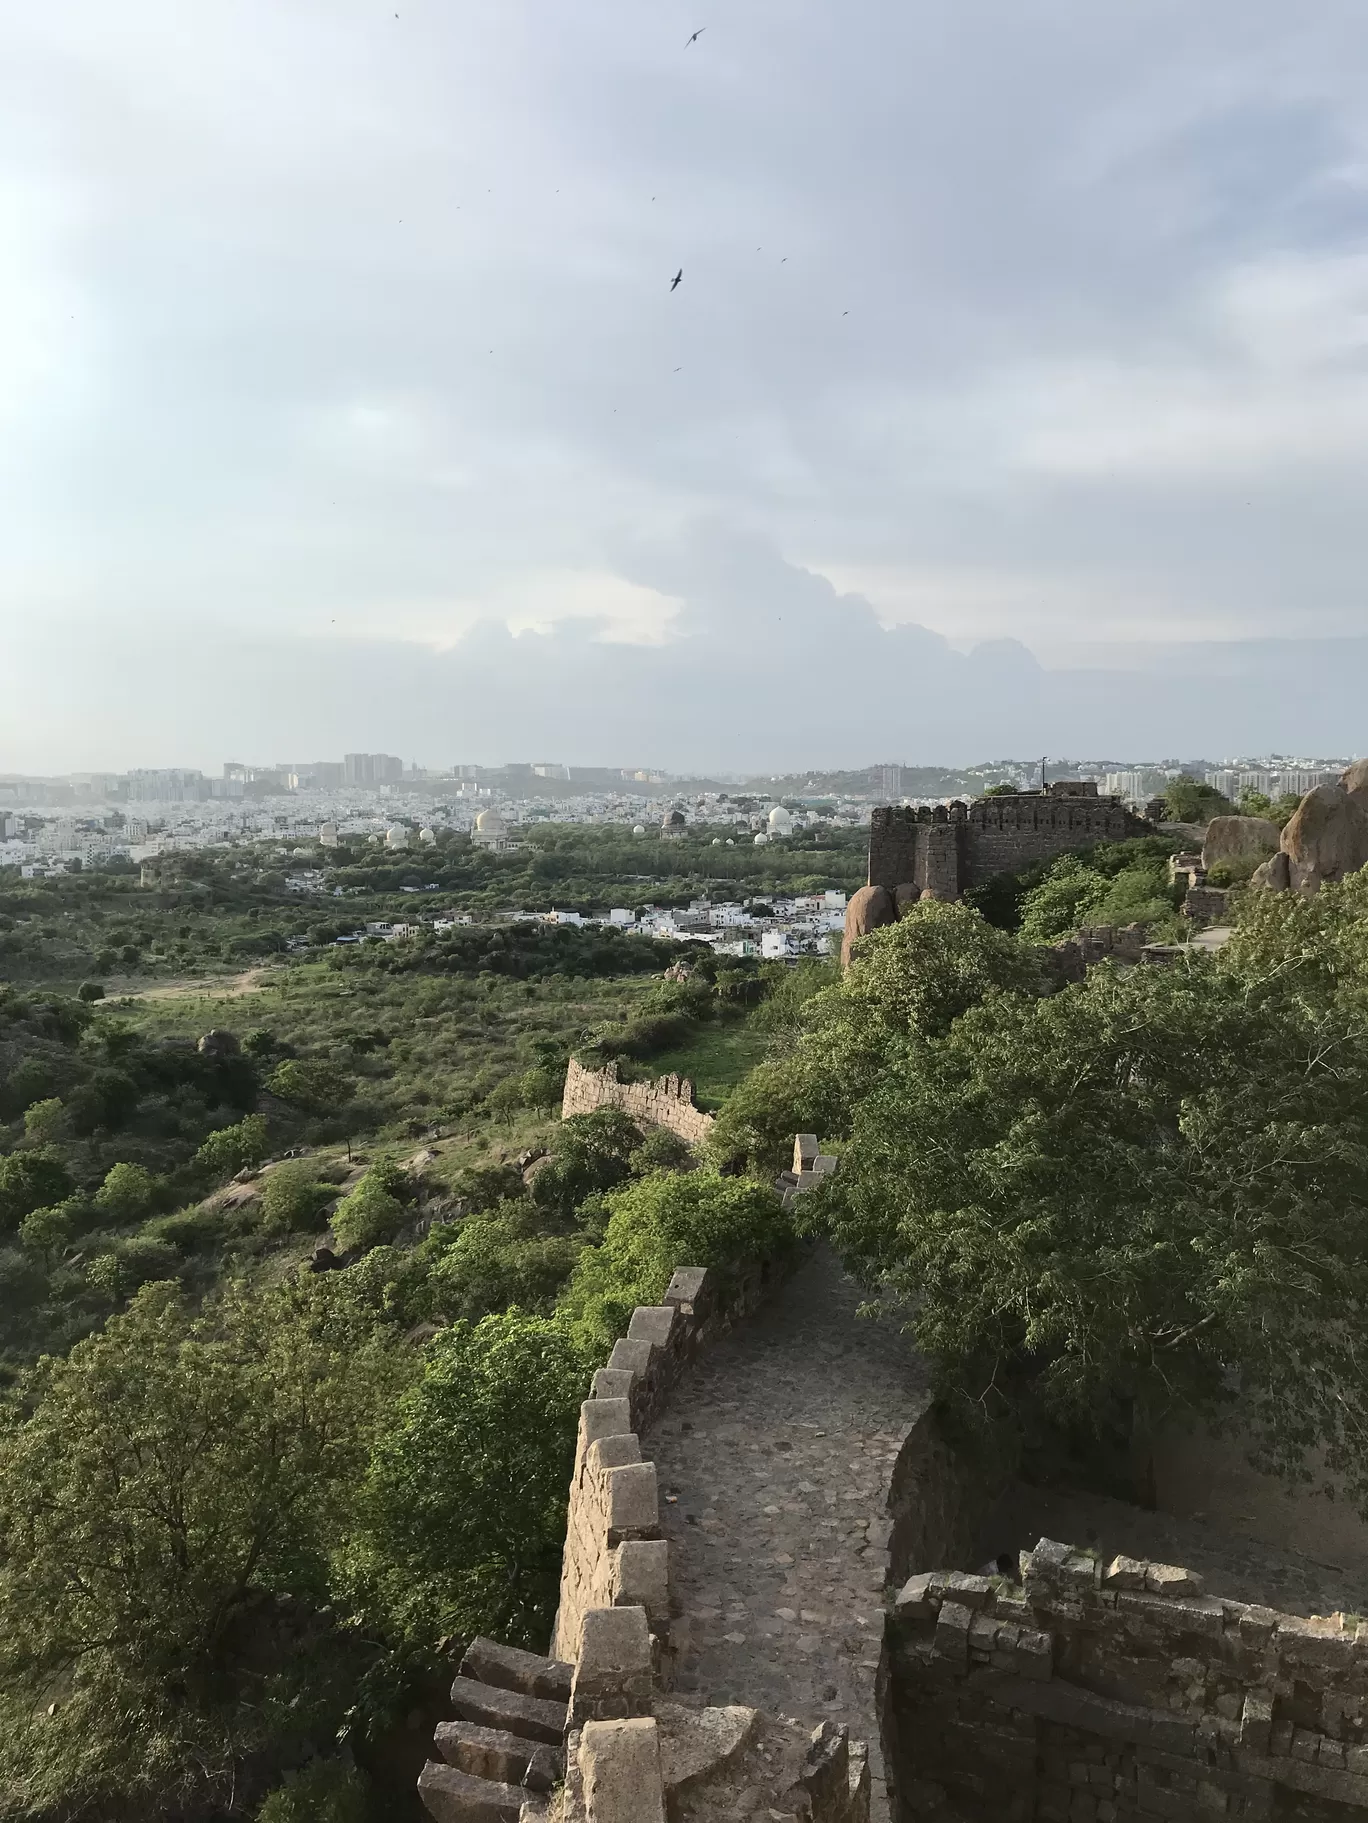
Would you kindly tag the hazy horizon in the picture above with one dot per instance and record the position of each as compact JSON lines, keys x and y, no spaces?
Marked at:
{"x":1013,"y":398}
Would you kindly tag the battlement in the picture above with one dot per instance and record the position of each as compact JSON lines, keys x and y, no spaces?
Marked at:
{"x":947,"y":848}
{"x":666,"y":1102}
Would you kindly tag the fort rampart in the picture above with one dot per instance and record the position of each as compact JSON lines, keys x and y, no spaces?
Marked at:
{"x":667,"y":1102}
{"x":615,"y":1616}
{"x":1098,"y":1691}
{"x":946,"y":849}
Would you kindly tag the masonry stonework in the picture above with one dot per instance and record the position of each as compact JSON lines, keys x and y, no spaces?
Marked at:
{"x":667,"y":1102}
{"x":946,"y":849}
{"x":1095,"y":1692}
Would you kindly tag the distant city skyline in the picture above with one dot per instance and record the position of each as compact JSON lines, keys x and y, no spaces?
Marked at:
{"x":1014,"y":389}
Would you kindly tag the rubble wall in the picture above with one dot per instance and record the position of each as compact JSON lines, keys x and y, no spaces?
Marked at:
{"x":667,"y":1102}
{"x":1095,"y":1692}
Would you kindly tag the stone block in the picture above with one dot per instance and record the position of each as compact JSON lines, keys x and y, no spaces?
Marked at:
{"x":1257,"y":1625}
{"x":687,"y":1289}
{"x":1124,"y":1573}
{"x":952,"y":1632}
{"x":913,"y":1601}
{"x":1314,"y":1641}
{"x":492,"y":1663}
{"x":972,"y":1591}
{"x":452,"y":1796}
{"x":1171,"y":1579}
{"x":602,"y":1418}
{"x":653,"y":1323}
{"x":641,"y":1577}
{"x":613,"y":1383}
{"x":619,"y":1766}
{"x":1256,"y":1721}
{"x":634,"y":1357}
{"x":617,"y":1452}
{"x":633,"y":1501}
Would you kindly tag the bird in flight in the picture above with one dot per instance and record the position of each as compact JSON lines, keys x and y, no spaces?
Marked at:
{"x":677,"y":277}
{"x":697,"y":35}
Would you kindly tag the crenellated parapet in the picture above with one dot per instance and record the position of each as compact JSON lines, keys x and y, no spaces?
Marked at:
{"x":666,"y":1102}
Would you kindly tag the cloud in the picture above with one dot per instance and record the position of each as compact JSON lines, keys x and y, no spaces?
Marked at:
{"x":1021,"y":321}
{"x":767,"y":666}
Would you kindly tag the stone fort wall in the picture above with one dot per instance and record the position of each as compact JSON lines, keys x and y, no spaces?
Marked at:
{"x":666,"y":1102}
{"x":614,"y":1622}
{"x":1096,"y":1692}
{"x":948,"y":848}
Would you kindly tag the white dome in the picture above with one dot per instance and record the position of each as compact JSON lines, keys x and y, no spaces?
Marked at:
{"x":396,"y":836}
{"x":638,"y":829}
{"x":780,"y":821}
{"x":426,"y":835}
{"x":490,"y":823}
{"x":761,"y":839}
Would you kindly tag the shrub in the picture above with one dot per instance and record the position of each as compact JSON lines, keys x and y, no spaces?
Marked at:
{"x":127,"y":1193}
{"x":307,"y":1083}
{"x":372,"y":1213}
{"x":90,"y":990}
{"x":589,"y":1152}
{"x":464,"y":1503}
{"x":47,"y":1120}
{"x":232,"y":1149}
{"x":498,"y":1259}
{"x":292,"y":1199}
{"x":28,"y":1181}
{"x":324,"y":1791}
{"x":660,"y":1223}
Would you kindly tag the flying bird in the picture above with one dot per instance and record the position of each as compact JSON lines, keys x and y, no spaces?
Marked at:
{"x":677,"y":277}
{"x":697,"y":35}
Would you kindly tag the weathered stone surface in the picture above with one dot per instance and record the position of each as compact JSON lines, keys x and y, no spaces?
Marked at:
{"x":695,"y":1743}
{"x":452,"y":1796}
{"x":869,"y":909}
{"x":1354,"y":780}
{"x":667,"y":1102}
{"x":493,"y":1753}
{"x":619,"y":1763}
{"x":533,"y":1716}
{"x":1274,"y":874}
{"x":1238,"y":838}
{"x":218,"y":1043}
{"x":492,"y":1663}
{"x":1325,"y":838}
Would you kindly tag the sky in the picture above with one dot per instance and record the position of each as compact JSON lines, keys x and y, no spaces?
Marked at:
{"x":1014,"y":397}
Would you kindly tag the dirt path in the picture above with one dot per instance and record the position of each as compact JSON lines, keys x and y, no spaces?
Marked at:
{"x":223,"y":988}
{"x":774,"y":1459}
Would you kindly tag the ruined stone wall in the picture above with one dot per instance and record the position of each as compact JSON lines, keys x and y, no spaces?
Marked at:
{"x":667,"y":1102}
{"x":950,"y":848}
{"x":1098,"y":1692}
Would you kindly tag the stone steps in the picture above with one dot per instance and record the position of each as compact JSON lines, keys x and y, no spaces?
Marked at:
{"x":503,"y":1753}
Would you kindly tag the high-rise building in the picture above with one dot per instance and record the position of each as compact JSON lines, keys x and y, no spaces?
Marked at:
{"x":372,"y":769}
{"x":887,"y":783}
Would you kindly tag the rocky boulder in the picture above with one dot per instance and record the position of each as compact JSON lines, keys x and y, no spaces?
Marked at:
{"x":869,"y":909}
{"x":218,"y":1043}
{"x":1326,"y":838}
{"x":1354,"y":780}
{"x":1238,"y":839}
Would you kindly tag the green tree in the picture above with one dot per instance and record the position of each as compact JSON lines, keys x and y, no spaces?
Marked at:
{"x":233,"y":1149}
{"x":463,"y":1509}
{"x":90,"y":990}
{"x":46,"y":1232}
{"x":47,"y":1120}
{"x":310,"y":1084}
{"x":589,"y":1152}
{"x":28,"y":1181}
{"x":292,"y":1198}
{"x":375,"y":1211}
{"x":128,"y":1193}
{"x":1188,"y":800}
{"x":1092,"y":1214}
{"x":912,"y":978}
{"x":160,"y":1490}
{"x":659,"y":1223}
{"x":501,"y":1257}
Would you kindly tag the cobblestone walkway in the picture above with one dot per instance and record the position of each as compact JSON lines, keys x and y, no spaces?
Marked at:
{"x":774,"y":1459}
